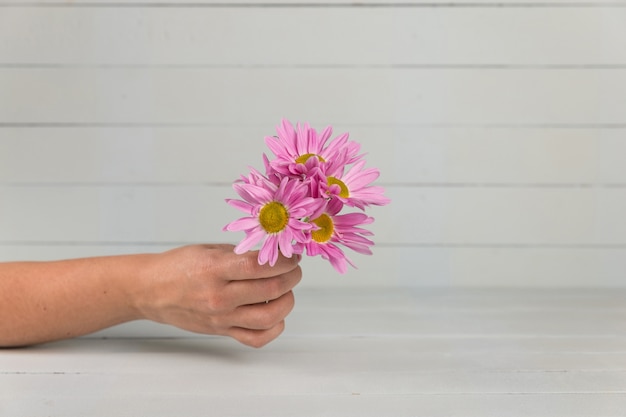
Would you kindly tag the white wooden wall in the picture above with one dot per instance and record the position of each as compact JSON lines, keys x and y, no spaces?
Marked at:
{"x":499,"y":128}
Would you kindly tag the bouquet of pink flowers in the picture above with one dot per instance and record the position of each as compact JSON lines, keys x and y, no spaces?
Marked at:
{"x":295,"y":206}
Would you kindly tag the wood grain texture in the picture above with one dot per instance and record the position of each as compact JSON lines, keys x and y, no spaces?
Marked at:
{"x":499,"y":131}
{"x":440,"y":352}
{"x":344,"y":37}
{"x":405,"y":155}
{"x":576,"y":216}
{"x":232,"y":96}
{"x":498,"y":128}
{"x":310,"y":4}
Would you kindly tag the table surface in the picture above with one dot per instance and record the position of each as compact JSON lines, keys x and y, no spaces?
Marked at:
{"x":347,"y":352}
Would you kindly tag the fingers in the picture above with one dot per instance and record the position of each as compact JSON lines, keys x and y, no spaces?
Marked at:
{"x":253,"y":291}
{"x":246,"y":266}
{"x":263,"y":316}
{"x":257,"y":325}
{"x":257,"y":338}
{"x":224,"y":293}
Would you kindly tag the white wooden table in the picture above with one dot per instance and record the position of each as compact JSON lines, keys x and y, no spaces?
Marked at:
{"x":349,"y":353}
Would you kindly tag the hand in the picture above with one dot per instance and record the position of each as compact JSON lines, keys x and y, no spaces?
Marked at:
{"x":209,"y":289}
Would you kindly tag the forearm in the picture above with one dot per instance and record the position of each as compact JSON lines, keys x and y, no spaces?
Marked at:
{"x":45,"y":301}
{"x":205,"y":289}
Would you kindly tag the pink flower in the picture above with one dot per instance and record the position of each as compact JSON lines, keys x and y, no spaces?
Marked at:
{"x":332,"y":229}
{"x":256,"y":178}
{"x":300,"y":150}
{"x":276,"y":214}
{"x":295,"y":206}
{"x":353,"y":187}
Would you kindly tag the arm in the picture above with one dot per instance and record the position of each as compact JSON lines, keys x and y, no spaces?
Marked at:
{"x":201,"y":288}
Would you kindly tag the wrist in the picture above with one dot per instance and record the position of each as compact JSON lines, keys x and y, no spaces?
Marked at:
{"x":137,"y":283}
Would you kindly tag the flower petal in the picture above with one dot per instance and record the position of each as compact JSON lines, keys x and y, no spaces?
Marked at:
{"x":245,"y":223}
{"x":240,"y":205}
{"x":249,"y":241}
{"x":269,"y":251}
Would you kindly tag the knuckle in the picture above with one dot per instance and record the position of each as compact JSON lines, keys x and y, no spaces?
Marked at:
{"x":216,"y":303}
{"x":266,"y":320}
{"x":280,"y":285}
{"x":291,"y":279}
{"x":297,"y":272}
{"x":290,"y":301}
{"x":274,"y":288}
{"x":247,"y":265}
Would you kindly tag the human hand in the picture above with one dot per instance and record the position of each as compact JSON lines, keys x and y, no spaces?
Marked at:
{"x":209,"y":289}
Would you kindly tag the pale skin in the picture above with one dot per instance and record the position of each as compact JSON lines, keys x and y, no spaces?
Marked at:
{"x":200,"y":288}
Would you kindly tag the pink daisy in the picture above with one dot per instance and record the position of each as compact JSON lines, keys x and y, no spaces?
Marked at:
{"x":353,"y":187}
{"x":332,"y":229}
{"x":256,"y":178}
{"x":275,"y":213}
{"x":300,"y":149}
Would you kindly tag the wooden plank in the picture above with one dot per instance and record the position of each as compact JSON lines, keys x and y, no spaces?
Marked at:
{"x":144,"y":155}
{"x":493,"y":217}
{"x":321,"y":382}
{"x":530,"y":352}
{"x":311,"y":4}
{"x":459,"y":314}
{"x":193,"y":36}
{"x":532,"y":216}
{"x":350,"y":96}
{"x":348,"y":404}
{"x":419,"y":355}
{"x":461,"y":300}
{"x":453,"y":156}
{"x":357,"y":323}
{"x":537,"y":364}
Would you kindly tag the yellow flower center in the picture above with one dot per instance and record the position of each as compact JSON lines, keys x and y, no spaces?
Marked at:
{"x":303,"y":158}
{"x":344,"y":192}
{"x":326,"y":228}
{"x":273,"y":217}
